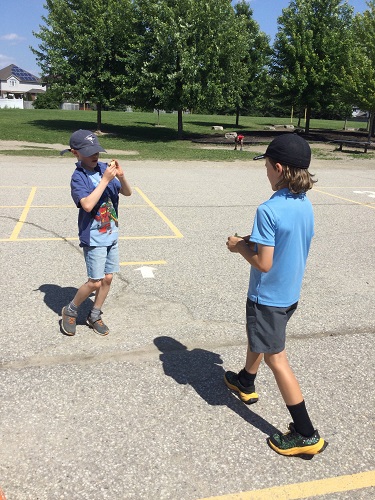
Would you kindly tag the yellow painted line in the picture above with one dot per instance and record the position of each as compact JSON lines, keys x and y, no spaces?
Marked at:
{"x":39,"y":187}
{"x":27,"y":207}
{"x":64,"y":206}
{"x":309,"y":489}
{"x":345,"y":199}
{"x":145,"y":263}
{"x":39,"y":206}
{"x":39,"y":239}
{"x":25,"y":211}
{"x":74,"y":238}
{"x":160,"y":213}
{"x":152,"y":237}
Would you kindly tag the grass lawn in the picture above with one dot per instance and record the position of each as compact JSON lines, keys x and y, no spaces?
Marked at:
{"x":152,"y":137}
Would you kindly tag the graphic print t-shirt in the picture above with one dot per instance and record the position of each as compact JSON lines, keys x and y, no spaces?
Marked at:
{"x":104,"y":226}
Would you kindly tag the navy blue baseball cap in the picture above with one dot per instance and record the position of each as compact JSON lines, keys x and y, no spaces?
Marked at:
{"x":289,"y":149}
{"x":85,"y":142}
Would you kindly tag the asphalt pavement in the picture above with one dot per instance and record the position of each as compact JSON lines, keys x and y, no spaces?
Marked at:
{"x":143,"y":413}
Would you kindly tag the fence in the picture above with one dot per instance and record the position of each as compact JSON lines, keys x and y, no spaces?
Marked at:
{"x":11,"y":103}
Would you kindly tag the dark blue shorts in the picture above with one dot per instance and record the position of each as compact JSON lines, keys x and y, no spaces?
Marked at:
{"x":266,"y":326}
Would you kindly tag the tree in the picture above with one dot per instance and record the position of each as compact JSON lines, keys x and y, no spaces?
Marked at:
{"x":310,"y":48}
{"x":255,"y":55}
{"x":84,"y":49}
{"x":51,"y":99}
{"x":189,"y":54}
{"x":359,"y":71}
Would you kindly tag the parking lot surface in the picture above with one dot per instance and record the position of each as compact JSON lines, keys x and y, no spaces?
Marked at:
{"x":143,"y":413}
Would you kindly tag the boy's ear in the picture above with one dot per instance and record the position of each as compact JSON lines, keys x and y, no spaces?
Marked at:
{"x":279,"y":168}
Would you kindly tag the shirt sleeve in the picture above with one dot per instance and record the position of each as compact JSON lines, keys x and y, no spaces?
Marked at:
{"x":264,"y":228}
{"x":79,"y":188}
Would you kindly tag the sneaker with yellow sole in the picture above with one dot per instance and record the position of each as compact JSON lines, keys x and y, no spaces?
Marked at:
{"x":246,"y":394}
{"x":294,"y":444}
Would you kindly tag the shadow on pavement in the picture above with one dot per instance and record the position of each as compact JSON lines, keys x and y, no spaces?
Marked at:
{"x":202,"y":370}
{"x":56,"y":297}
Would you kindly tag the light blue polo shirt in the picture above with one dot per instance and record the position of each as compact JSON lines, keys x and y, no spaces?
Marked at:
{"x":285,"y":222}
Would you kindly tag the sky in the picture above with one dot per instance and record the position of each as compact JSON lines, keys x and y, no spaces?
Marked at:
{"x":21,"y":17}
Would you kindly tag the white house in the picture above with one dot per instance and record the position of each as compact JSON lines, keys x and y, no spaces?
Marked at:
{"x":16,"y":83}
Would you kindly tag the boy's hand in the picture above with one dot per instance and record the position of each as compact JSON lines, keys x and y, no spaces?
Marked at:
{"x":110,"y":171}
{"x":119,"y":171}
{"x":234,"y":242}
{"x":245,"y":238}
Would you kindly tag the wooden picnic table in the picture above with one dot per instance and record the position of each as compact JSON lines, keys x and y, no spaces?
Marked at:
{"x":353,"y":144}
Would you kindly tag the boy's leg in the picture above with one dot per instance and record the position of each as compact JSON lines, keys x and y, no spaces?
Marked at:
{"x":105,"y":263}
{"x":253,"y":360}
{"x":290,"y":391}
{"x":301,"y":438}
{"x":69,"y":313}
{"x":94,"y":319}
{"x":102,"y":292}
{"x":91,"y":286}
{"x":285,"y":378}
{"x":243,"y":382}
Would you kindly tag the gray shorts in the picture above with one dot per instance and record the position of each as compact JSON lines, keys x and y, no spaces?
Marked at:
{"x":266,"y":326}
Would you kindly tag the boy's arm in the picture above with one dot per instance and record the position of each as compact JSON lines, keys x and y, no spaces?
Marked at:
{"x":90,"y":201}
{"x":261,"y":260}
{"x":126,"y":190}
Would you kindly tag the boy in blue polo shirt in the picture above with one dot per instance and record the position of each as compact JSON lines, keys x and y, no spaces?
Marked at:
{"x":277,"y":250}
{"x":95,"y":188}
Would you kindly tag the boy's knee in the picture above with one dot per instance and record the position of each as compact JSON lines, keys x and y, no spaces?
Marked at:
{"x":273,"y":360}
{"x":108,"y":279}
{"x":268,"y":360}
{"x":95,"y":284}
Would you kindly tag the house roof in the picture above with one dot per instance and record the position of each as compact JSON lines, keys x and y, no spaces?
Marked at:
{"x":19,"y":73}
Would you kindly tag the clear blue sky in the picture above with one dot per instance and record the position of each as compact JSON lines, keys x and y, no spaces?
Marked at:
{"x":21,"y":17}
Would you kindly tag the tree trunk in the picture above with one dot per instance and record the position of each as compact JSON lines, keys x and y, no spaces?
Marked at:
{"x":307,"y":121}
{"x":178,"y":95}
{"x":237,"y":115}
{"x":99,"y":116}
{"x":180,"y":126}
{"x":372,"y":126}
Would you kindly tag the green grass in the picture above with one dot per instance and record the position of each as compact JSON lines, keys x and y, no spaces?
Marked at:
{"x":140,"y":132}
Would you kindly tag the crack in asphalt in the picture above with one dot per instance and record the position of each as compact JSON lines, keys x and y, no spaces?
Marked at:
{"x":144,"y":353}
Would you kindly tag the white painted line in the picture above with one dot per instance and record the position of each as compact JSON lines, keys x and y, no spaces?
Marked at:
{"x":146,"y":271}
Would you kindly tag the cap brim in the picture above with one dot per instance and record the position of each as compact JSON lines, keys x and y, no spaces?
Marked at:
{"x":64,"y":151}
{"x":91,"y":150}
{"x":259,"y":157}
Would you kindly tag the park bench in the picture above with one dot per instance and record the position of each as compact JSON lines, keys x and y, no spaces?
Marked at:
{"x":352,"y":144}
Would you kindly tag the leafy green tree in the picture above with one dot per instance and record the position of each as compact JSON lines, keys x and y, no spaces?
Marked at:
{"x":359,"y":70}
{"x":311,"y":46}
{"x":51,"y":99}
{"x":84,"y":49}
{"x":189,"y":57}
{"x":255,"y":58}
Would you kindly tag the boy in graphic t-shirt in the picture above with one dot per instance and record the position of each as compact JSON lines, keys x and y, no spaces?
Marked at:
{"x":95,"y":188}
